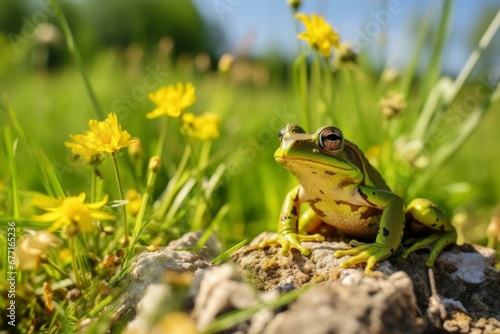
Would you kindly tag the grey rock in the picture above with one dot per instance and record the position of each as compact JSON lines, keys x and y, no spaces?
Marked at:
{"x":150,"y":267}
{"x":355,"y":304}
{"x":395,"y":298}
{"x":221,"y":290}
{"x":466,"y":282}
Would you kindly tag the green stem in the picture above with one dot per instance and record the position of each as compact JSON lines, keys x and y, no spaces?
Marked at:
{"x":473,"y":58}
{"x":139,"y":221}
{"x":306,"y":116}
{"x":93,"y":186}
{"x":299,"y":72}
{"x":357,"y":107}
{"x":120,"y":192}
{"x":144,"y":203}
{"x":491,"y":241}
{"x":74,"y":262}
{"x":194,"y":155}
{"x":197,"y":174}
{"x":162,"y":137}
{"x":434,"y":70}
{"x":445,"y":152}
{"x":409,"y":73}
{"x":174,"y":184}
{"x":73,"y":50}
{"x":54,"y":266}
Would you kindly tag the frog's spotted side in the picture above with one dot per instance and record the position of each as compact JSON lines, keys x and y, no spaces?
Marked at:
{"x":343,"y":190}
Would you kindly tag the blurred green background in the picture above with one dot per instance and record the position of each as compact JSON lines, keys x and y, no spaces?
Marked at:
{"x":132,"y":47}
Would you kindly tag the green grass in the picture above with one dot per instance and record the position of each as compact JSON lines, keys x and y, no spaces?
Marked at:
{"x":231,"y":187}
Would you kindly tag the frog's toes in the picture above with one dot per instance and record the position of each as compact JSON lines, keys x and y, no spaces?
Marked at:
{"x":365,"y":253}
{"x":355,"y":243}
{"x":311,"y":238}
{"x":290,"y":240}
{"x":435,"y":242}
{"x":268,"y":243}
{"x":359,"y":248}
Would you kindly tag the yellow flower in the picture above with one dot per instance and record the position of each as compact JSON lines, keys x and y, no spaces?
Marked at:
{"x":201,"y":127}
{"x":80,"y":149}
{"x":103,"y":137}
{"x":172,"y":100}
{"x":71,"y":212}
{"x":134,"y":202}
{"x":319,"y":33}
{"x":31,"y":247}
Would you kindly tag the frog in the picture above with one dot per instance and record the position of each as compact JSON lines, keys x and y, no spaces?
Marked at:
{"x":344,"y":191}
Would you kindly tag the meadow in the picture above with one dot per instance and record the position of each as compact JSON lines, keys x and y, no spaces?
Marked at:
{"x":210,"y":167}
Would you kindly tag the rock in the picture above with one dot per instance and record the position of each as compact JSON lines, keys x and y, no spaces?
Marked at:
{"x":466,"y":282}
{"x":354,"y":304}
{"x":150,"y":268}
{"x":221,"y":290}
{"x":395,"y":298}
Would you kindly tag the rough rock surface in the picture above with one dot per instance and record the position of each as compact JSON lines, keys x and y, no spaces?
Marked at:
{"x":149,"y":268}
{"x":395,"y":298}
{"x":466,"y":282}
{"x":356,"y":304}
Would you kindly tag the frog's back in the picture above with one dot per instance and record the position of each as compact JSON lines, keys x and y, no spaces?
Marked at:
{"x":372,"y":176}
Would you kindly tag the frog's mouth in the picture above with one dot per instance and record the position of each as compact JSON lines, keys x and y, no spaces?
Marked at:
{"x":287,"y":161}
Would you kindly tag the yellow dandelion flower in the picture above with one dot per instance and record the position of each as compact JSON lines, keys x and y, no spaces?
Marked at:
{"x":71,"y":212}
{"x":319,"y":34}
{"x":32,"y":247}
{"x":103,"y":137}
{"x":201,"y":127}
{"x":172,"y":100}
{"x":80,"y":149}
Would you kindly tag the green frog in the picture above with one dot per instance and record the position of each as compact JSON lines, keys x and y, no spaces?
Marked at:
{"x":345,"y":191}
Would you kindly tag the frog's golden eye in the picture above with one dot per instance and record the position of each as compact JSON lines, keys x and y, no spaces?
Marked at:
{"x":331,"y":139}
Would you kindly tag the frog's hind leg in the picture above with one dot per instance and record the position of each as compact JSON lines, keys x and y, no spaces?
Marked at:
{"x":426,"y":213}
{"x":309,"y":221}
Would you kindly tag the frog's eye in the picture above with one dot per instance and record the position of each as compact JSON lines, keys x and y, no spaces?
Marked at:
{"x":331,"y":139}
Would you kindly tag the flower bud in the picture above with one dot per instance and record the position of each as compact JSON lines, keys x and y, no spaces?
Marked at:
{"x":392,"y":104}
{"x":225,"y":63}
{"x":345,"y":55}
{"x":295,"y":4}
{"x":135,"y":150}
{"x":155,"y":164}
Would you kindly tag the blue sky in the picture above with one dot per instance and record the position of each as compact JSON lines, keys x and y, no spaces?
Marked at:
{"x":258,"y":26}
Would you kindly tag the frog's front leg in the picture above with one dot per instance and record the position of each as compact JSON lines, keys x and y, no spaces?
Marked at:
{"x":288,"y":235}
{"x":424,"y":212}
{"x":390,"y":232}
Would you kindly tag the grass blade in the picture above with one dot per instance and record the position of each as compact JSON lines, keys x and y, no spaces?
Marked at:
{"x":232,"y":318}
{"x":473,"y":58}
{"x":434,"y":70}
{"x":225,"y":255}
{"x":10,"y":150}
{"x":73,"y":50}
{"x":49,"y":175}
{"x":445,"y":152}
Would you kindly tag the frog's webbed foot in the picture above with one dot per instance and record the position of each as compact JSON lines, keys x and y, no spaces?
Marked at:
{"x":439,"y":242}
{"x":288,"y":240}
{"x":364,"y":253}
